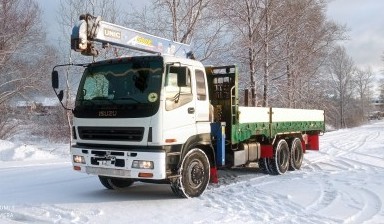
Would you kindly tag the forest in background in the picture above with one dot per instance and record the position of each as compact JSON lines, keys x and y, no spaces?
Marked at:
{"x":288,"y":52}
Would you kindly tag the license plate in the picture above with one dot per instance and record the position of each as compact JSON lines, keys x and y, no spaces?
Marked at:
{"x":107,"y":172}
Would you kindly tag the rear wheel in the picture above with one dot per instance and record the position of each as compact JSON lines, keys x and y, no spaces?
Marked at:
{"x":194,"y":175}
{"x":115,"y":183}
{"x":264,"y":165}
{"x":280,"y":160}
{"x":296,"y":154}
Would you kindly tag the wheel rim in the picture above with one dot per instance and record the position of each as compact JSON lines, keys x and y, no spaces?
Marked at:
{"x":195,"y":173}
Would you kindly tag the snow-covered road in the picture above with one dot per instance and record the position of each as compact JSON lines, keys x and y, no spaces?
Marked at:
{"x":342,"y":183}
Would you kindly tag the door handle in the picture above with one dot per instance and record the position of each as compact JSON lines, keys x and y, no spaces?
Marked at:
{"x":191,"y":110}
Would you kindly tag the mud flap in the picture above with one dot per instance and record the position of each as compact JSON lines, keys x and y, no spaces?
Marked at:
{"x":313,"y":142}
{"x":214,"y":177}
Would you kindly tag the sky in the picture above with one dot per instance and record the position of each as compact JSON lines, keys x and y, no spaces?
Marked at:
{"x":364,"y":19}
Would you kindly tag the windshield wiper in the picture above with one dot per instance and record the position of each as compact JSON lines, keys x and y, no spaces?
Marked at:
{"x":87,"y":102}
{"x":128,"y":98}
{"x":103,"y":99}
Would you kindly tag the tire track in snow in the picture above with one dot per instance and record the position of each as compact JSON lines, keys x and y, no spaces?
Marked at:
{"x":344,"y":152}
{"x":235,"y":200}
{"x":364,"y":160}
{"x":327,"y":191}
{"x":374,"y":137}
{"x":51,"y":214}
{"x":372,"y":206}
{"x":366,"y":202}
{"x":347,"y":147}
{"x":348,"y":157}
{"x":352,"y":142}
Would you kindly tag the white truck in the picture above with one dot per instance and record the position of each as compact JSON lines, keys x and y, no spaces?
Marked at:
{"x":166,"y":118}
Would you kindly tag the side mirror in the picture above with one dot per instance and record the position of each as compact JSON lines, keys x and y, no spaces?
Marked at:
{"x":60,"y":96}
{"x":55,"y":85}
{"x":55,"y":79}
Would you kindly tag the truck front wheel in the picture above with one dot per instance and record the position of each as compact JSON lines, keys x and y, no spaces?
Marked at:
{"x":115,"y":183}
{"x":193,"y":175}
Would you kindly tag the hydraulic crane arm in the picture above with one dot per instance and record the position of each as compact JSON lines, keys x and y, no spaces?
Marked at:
{"x":92,"y":29}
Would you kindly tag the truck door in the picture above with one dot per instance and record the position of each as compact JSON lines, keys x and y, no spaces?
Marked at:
{"x":202,"y":103}
{"x":179,"y":116}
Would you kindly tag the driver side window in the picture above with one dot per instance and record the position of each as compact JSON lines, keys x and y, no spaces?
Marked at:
{"x":177,"y":96}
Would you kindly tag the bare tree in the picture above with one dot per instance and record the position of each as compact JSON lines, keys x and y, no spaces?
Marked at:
{"x":8,"y":126}
{"x":246,"y":20}
{"x":20,"y":38}
{"x":341,"y":70}
{"x":381,"y":89}
{"x":195,"y":22}
{"x":283,"y":43}
{"x":255,"y":28}
{"x":364,"y":80}
{"x":184,"y":16}
{"x":307,"y":39}
{"x":25,"y":57}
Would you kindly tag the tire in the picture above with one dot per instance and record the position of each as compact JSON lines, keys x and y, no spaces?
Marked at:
{"x":280,"y":160}
{"x":296,"y":154}
{"x":264,"y":165}
{"x":115,"y":183}
{"x":194,"y":175}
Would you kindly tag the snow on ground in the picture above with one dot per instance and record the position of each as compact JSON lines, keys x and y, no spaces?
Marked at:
{"x":342,"y":183}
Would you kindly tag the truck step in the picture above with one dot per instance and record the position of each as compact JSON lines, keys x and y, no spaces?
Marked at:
{"x":174,"y":176}
{"x":173,"y":153}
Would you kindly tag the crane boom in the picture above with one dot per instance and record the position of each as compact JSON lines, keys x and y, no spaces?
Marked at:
{"x":92,"y":29}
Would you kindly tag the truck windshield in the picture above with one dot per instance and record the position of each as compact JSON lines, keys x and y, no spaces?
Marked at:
{"x":132,"y":87}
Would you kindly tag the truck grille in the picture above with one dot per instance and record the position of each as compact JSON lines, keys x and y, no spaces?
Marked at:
{"x":134,"y":134}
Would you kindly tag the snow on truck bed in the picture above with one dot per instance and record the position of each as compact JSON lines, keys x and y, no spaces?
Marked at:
{"x":342,"y":183}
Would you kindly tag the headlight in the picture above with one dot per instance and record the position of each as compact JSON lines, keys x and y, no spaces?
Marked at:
{"x":78,"y":159}
{"x":142,"y":164}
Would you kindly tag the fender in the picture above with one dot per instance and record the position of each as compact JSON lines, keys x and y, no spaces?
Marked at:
{"x":202,"y":141}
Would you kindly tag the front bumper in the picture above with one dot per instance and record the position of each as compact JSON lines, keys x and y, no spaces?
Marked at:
{"x":118,"y":163}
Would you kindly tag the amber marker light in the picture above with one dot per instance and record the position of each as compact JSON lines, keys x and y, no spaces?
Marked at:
{"x":78,"y":168}
{"x":146,"y":175}
{"x":170,"y":140}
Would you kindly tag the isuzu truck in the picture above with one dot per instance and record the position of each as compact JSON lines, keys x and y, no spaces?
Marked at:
{"x":166,"y":118}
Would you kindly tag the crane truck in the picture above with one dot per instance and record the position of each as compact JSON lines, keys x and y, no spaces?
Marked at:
{"x":164,"y":117}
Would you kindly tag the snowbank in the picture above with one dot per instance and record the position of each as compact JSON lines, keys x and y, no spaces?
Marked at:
{"x":13,"y":152}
